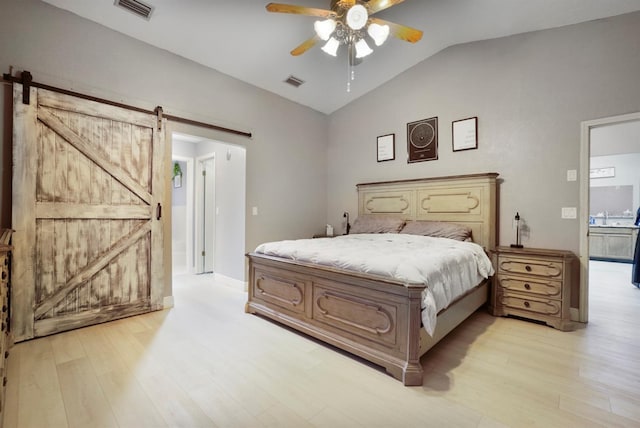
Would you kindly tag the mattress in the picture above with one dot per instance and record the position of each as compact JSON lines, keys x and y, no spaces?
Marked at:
{"x":447,"y":267}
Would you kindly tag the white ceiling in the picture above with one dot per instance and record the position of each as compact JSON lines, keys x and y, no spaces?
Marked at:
{"x":241,"y":39}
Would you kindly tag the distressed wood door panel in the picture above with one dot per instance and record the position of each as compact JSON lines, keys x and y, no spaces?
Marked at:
{"x":87,"y":188}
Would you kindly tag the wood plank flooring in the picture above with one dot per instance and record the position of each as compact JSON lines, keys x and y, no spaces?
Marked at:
{"x":205,"y":363}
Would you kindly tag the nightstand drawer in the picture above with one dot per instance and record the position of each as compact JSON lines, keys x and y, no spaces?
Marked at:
{"x":530,"y":304}
{"x":531,"y":266}
{"x":536,"y":286}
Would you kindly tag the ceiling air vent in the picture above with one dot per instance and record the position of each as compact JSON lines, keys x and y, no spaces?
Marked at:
{"x":143,"y":10}
{"x":294,"y":81}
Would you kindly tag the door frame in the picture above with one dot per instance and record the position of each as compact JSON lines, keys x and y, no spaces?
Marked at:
{"x":585,"y":152}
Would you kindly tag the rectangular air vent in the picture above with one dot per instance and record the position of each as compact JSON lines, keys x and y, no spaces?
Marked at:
{"x":294,"y":81}
{"x":137,"y":7}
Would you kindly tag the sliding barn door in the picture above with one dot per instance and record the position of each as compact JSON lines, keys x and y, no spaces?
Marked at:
{"x":87,"y":189}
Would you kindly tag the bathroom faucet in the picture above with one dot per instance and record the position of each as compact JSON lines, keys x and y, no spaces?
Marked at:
{"x":606,"y":215}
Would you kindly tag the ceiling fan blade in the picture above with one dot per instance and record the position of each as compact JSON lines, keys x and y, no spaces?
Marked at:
{"x":300,"y":10}
{"x":401,"y":32}
{"x":305,"y":46}
{"x":376,"y":6}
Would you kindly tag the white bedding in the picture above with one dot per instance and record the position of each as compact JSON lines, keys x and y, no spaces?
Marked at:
{"x":449,"y":268}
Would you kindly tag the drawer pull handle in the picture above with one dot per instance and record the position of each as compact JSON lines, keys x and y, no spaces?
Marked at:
{"x":527,"y":304}
{"x":4,"y":275}
{"x":527,"y":268}
{"x":527,"y":286}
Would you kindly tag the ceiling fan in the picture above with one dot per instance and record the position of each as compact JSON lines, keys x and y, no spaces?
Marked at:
{"x":349,"y":22}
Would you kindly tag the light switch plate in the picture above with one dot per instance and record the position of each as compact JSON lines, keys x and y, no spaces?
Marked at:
{"x":569,"y":212}
{"x":572,"y":175}
{"x":254,"y":210}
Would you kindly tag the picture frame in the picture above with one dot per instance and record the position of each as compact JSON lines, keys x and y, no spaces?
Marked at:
{"x":606,"y":172}
{"x":422,"y":140}
{"x":464,"y":134}
{"x":386,"y":147}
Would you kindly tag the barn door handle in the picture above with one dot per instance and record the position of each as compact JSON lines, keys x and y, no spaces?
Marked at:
{"x":158,"y":212}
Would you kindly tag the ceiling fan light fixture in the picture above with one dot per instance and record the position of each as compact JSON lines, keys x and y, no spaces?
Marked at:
{"x":357,"y":17}
{"x":378,"y":33}
{"x":331,"y":47}
{"x":362,"y":49}
{"x":325,"y":28}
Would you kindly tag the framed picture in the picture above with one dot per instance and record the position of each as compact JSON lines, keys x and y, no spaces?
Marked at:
{"x":422,"y":140}
{"x":386,"y":147}
{"x":465,"y":134}
{"x":609,"y":171}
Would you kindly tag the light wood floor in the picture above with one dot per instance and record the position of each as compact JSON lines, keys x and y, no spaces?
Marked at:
{"x":207,"y":363}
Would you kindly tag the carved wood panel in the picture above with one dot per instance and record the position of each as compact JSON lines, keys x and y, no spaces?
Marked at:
{"x":364,"y":317}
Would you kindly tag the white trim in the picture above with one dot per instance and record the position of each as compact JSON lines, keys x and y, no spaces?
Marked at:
{"x":167,"y":302}
{"x":585,"y":143}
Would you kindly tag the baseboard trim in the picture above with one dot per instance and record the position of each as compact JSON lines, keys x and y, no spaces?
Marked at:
{"x":167,"y":302}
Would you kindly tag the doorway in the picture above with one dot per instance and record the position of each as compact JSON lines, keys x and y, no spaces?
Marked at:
{"x":217,"y":221}
{"x":612,"y":141}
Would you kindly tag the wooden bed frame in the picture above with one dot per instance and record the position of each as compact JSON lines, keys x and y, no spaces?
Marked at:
{"x":370,"y":316}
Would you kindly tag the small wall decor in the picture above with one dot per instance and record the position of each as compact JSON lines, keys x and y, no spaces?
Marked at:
{"x":386,"y":147}
{"x":465,"y":134}
{"x":609,"y":171}
{"x":177,"y":175}
{"x":422,"y":140}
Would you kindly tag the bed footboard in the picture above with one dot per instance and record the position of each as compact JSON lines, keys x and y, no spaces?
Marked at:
{"x":375,"y":318}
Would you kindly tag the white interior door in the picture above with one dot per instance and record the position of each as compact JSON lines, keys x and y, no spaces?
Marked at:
{"x":206,"y":215}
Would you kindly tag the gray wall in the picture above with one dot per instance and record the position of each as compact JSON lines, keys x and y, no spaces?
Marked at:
{"x":285,"y":159}
{"x":530,"y":93}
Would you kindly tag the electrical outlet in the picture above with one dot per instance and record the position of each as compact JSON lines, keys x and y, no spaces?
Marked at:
{"x":572,"y":175}
{"x":569,"y":212}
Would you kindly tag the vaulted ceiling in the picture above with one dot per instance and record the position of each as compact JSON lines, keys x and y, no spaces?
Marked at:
{"x":241,"y":39}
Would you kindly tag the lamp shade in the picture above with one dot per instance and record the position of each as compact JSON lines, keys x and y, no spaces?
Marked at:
{"x":357,"y":17}
{"x":324,"y":28}
{"x":331,"y":47}
{"x":362,"y":49}
{"x":378,"y":33}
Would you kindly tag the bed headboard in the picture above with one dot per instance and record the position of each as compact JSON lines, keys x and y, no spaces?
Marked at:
{"x":464,"y":199}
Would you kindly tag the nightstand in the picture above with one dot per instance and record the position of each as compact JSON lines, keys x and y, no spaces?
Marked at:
{"x":535,"y":284}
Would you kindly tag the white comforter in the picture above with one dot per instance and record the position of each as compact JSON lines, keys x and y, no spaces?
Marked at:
{"x":449,"y":268}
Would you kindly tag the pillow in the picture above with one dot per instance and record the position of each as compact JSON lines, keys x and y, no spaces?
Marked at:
{"x":377,"y":224}
{"x":438,"y":229}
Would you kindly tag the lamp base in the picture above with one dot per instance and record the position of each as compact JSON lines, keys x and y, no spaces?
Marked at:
{"x":517,"y":246}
